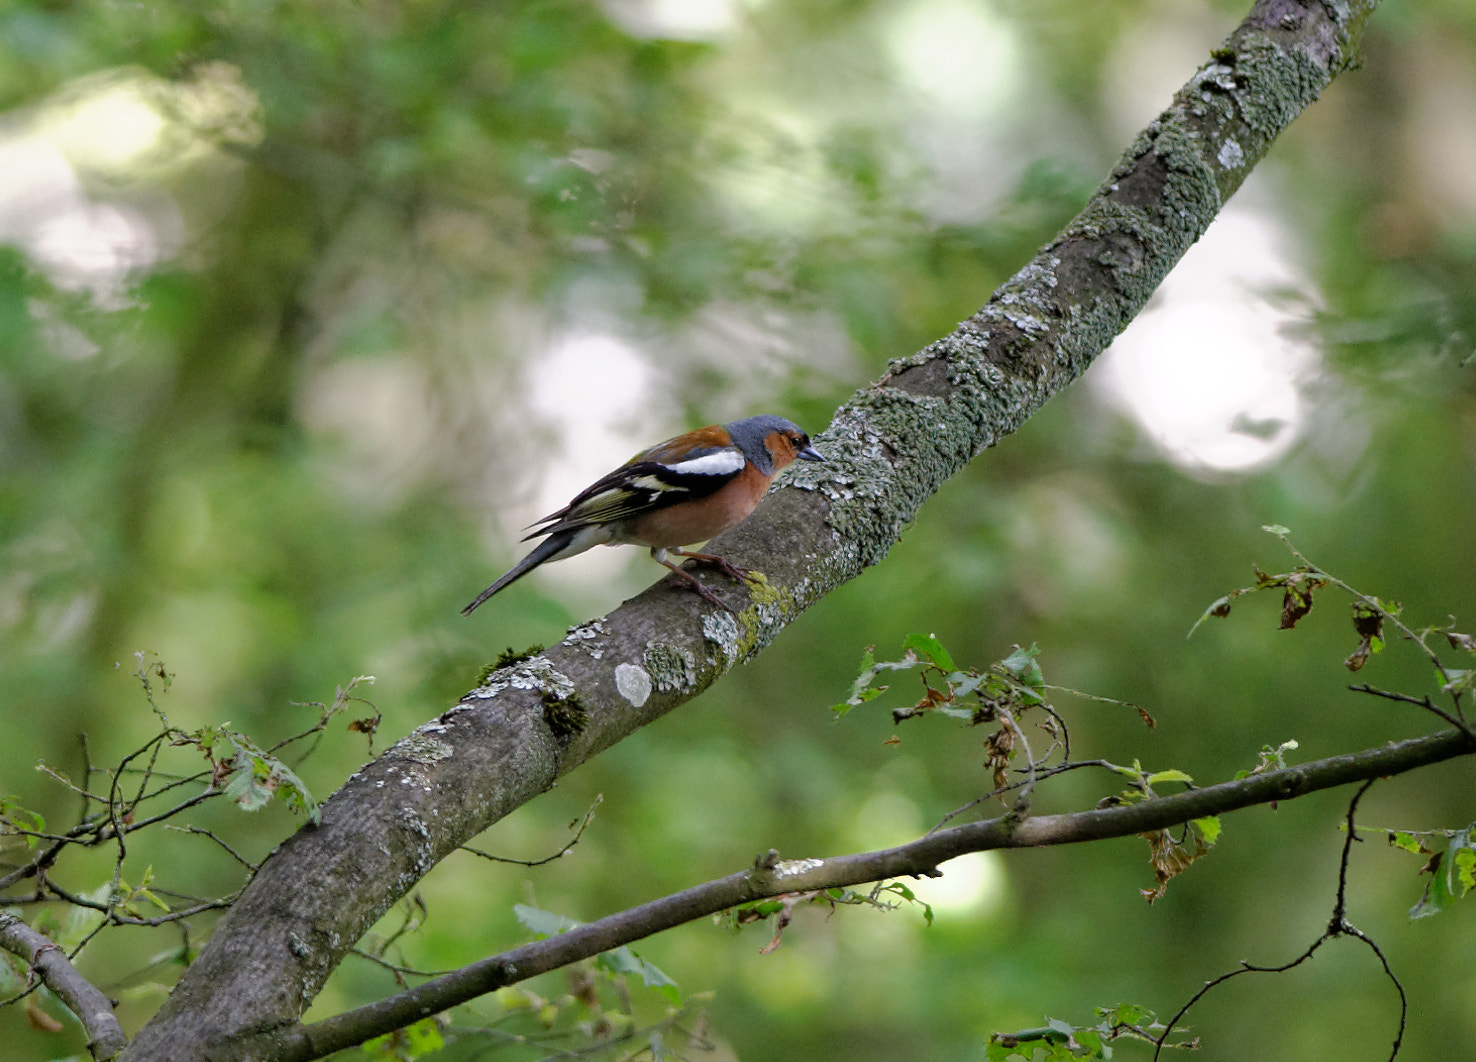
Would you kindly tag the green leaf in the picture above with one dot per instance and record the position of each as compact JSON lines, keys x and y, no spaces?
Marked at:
{"x":544,"y":923}
{"x":152,"y":897}
{"x":623,"y":960}
{"x":762,"y":908}
{"x":1460,"y":680}
{"x":1407,"y":841}
{"x":862,"y":690}
{"x":929,"y":646}
{"x":424,"y":1038}
{"x":14,"y":818}
{"x":963,"y":684}
{"x":1220,"y":608}
{"x":1127,"y":1014}
{"x":1092,"y":1041}
{"x":1465,"y":869}
{"x":245,"y":786}
{"x":619,"y":961}
{"x":1173,"y":774}
{"x":998,"y":1052}
{"x":257,"y":777}
{"x":415,"y":1041}
{"x":1437,"y":895}
{"x":1022,"y":665}
{"x":1209,"y":828}
{"x":293,"y":791}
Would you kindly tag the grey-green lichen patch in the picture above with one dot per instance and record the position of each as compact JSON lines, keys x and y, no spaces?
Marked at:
{"x":1015,"y":309}
{"x":773,"y":608}
{"x":1104,"y":218}
{"x":809,"y":475}
{"x":1026,"y":302}
{"x":535,"y":674}
{"x":872,"y":492}
{"x":422,"y":745}
{"x":1277,"y":85}
{"x":895,"y":366}
{"x":633,"y":682}
{"x":672,"y":669}
{"x":586,"y":637}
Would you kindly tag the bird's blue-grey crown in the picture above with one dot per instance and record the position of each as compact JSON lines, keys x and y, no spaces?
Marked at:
{"x":749,"y":435}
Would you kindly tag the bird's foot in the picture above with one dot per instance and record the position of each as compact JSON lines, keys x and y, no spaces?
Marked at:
{"x":727,"y":567}
{"x":702,"y":591}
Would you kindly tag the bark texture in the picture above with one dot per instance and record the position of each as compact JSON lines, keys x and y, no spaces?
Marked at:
{"x":888,"y":448}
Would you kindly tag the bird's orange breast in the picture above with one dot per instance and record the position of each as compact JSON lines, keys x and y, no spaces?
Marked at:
{"x":686,"y":523}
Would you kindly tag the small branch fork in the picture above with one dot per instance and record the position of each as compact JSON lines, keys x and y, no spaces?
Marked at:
{"x":45,"y":961}
{"x":107,"y":818}
{"x":1338,"y":926}
{"x":774,"y":877}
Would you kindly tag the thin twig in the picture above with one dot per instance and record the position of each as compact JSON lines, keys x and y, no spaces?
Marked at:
{"x":578,"y":833}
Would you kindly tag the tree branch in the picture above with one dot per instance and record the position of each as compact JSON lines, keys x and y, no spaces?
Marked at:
{"x":93,"y":1009}
{"x":770,"y":877}
{"x":889,"y":449}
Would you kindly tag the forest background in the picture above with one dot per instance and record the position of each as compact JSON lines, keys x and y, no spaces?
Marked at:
{"x":305,"y":310}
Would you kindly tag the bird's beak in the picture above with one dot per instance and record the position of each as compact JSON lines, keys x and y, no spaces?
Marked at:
{"x":809,"y":453}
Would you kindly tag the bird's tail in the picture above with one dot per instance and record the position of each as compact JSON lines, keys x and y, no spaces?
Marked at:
{"x":548,"y":549}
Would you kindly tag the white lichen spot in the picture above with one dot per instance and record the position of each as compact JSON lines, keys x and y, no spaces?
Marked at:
{"x":540,"y":674}
{"x":1219,"y":75}
{"x":1028,"y":324}
{"x":583,"y":637}
{"x":1231,"y":155}
{"x":491,"y":689}
{"x":633,"y":683}
{"x":790,"y":868}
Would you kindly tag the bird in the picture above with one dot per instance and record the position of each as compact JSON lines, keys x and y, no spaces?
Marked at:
{"x":676,"y":493}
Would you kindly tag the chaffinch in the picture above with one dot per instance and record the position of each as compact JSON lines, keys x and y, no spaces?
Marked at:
{"x":678,"y":492}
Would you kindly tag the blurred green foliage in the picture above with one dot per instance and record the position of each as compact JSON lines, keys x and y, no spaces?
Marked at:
{"x":278,"y":385}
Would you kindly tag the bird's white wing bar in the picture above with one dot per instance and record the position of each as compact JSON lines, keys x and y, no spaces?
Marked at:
{"x":716,"y":463}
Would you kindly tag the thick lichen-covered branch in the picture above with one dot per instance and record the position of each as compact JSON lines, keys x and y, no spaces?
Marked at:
{"x":889,"y":448}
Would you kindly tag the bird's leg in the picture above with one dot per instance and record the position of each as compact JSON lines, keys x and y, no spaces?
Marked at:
{"x":727,"y":567}
{"x":659,"y":555}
